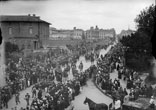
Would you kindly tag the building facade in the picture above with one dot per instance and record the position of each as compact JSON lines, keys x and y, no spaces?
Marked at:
{"x":2,"y":65}
{"x":56,"y":34}
{"x":63,"y":34}
{"x":28,"y":31}
{"x":125,"y":33}
{"x":103,"y":33}
{"x":78,"y":33}
{"x":96,"y":33}
{"x":92,"y":33}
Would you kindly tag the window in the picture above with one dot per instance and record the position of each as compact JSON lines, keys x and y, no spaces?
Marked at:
{"x":10,"y":30}
{"x":30,"y":30}
{"x":29,"y":46}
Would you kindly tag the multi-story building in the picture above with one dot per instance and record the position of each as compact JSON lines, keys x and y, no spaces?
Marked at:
{"x":125,"y":33}
{"x":60,"y":34}
{"x":28,"y":31}
{"x":92,"y":33}
{"x":66,"y":34}
{"x":78,"y":33}
{"x":103,"y":33}
{"x":99,"y":33}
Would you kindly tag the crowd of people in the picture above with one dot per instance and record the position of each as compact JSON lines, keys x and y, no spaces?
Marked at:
{"x":48,"y":73}
{"x":41,"y":70}
{"x":135,"y":88}
{"x":58,"y":96}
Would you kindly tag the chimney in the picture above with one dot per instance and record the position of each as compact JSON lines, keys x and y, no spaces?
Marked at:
{"x":34,"y":15}
{"x":91,"y":28}
{"x":96,"y":27}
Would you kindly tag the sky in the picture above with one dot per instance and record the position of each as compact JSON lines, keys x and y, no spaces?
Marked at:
{"x":82,"y":14}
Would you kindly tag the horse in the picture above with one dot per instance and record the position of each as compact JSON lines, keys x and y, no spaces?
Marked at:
{"x":94,"y":106}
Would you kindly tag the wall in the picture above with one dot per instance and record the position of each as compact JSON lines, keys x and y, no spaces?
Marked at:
{"x":2,"y":66}
{"x":21,"y":29}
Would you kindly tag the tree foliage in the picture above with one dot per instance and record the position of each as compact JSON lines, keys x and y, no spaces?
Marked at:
{"x":10,"y":48}
{"x":138,"y":45}
{"x":145,"y":20}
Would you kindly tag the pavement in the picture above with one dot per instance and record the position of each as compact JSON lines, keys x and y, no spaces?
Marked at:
{"x":12,"y":103}
{"x":91,"y":92}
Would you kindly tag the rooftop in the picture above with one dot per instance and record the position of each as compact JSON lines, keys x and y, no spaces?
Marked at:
{"x":22,"y":18}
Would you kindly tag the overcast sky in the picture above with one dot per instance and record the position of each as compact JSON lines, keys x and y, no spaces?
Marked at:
{"x":66,"y":14}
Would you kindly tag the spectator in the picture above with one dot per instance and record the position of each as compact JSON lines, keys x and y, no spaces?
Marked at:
{"x":126,"y":98}
{"x":40,"y":94}
{"x":27,"y":98}
{"x":33,"y":92}
{"x":152,"y":105}
{"x":17,"y":100}
{"x":117,"y":104}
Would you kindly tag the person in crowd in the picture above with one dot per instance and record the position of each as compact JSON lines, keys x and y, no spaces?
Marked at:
{"x":125,"y":92}
{"x":27,"y":98}
{"x":17,"y":99}
{"x":152,"y":103}
{"x":15,"y":108}
{"x":117,"y":104}
{"x":6,"y":100}
{"x":126,"y":98}
{"x":40,"y":94}
{"x":33,"y":92}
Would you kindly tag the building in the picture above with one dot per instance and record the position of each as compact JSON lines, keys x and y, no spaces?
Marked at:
{"x":2,"y":65}
{"x":92,"y":33}
{"x":78,"y":33}
{"x":96,"y":33}
{"x":60,"y":34}
{"x":63,"y":34}
{"x":125,"y":33}
{"x":28,"y":31}
{"x":103,"y":33}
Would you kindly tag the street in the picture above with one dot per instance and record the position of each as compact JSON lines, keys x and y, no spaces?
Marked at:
{"x":89,"y":90}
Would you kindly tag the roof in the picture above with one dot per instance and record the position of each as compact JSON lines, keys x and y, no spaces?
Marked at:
{"x":24,"y":18}
{"x":18,"y":37}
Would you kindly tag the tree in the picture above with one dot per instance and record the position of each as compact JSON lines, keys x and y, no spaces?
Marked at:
{"x":145,"y":20}
{"x":10,"y":48}
{"x":138,"y":45}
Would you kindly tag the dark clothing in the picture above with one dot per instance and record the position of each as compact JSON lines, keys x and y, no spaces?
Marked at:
{"x":40,"y":94}
{"x":27,"y":97}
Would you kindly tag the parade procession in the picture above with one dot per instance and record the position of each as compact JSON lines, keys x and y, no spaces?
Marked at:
{"x":47,"y":68}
